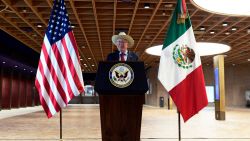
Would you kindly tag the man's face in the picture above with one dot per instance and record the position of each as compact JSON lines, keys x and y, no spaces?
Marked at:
{"x":122,"y":45}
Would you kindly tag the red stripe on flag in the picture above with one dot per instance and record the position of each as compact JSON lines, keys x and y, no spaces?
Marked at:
{"x":190,"y":95}
{"x":48,"y":88}
{"x":71,"y":65}
{"x":73,"y":42}
{"x":43,"y":102}
{"x":53,"y":73}
{"x":63,"y":69}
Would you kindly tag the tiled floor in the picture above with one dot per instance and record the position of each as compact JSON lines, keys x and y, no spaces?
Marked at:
{"x":82,"y":123}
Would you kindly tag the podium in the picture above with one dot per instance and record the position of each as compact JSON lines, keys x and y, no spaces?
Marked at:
{"x":121,"y":87}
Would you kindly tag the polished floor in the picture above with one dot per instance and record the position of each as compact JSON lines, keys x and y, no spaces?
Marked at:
{"x":82,"y":123}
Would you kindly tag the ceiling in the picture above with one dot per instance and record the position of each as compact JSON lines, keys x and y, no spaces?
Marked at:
{"x":95,"y":21}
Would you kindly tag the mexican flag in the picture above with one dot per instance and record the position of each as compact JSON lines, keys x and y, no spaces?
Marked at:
{"x":180,"y":70}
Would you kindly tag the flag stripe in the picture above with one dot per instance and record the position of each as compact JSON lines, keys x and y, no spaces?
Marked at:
{"x":76,"y":59}
{"x":43,"y":101}
{"x":190,"y":91}
{"x":51,"y":64}
{"x":63,"y":69}
{"x":49,"y":82}
{"x":70,"y":78}
{"x":46,"y":93}
{"x":47,"y":55}
{"x":60,"y":72}
{"x":72,"y":59}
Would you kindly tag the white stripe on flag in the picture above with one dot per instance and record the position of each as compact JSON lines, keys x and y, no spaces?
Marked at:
{"x":65,"y":62}
{"x":45,"y":93}
{"x":47,"y":74}
{"x":55,"y":64}
{"x":74,"y":58}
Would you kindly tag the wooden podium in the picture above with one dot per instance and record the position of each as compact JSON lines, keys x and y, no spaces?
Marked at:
{"x":121,"y":107}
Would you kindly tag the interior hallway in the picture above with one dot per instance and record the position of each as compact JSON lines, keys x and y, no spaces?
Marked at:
{"x":82,"y":123}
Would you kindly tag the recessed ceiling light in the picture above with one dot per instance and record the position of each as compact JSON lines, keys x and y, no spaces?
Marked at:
{"x":39,"y":25}
{"x":248,"y":31}
{"x":146,"y":6}
{"x":81,"y":59}
{"x":212,"y":32}
{"x":4,"y":62}
{"x":233,"y":64}
{"x":34,"y":35}
{"x":92,"y":65}
{"x":203,"y":48}
{"x":207,"y":64}
{"x":225,"y":24}
{"x":168,"y":5}
{"x":224,"y":7}
{"x":31,"y":71}
{"x":24,"y":69}
{"x":164,"y":13}
{"x":227,"y":33}
{"x":248,"y":60}
{"x":83,"y":46}
{"x":15,"y":66}
{"x":202,"y":28}
{"x":85,"y":64}
{"x":234,"y":28}
{"x":73,"y":26}
{"x":89,"y":58}
{"x":24,"y":10}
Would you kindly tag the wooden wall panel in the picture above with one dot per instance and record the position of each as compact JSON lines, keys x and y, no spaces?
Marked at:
{"x":157,"y":90}
{"x":6,"y":89}
{"x":36,"y":97}
{"x":29,"y":92}
{"x":237,"y":81}
{"x":15,"y":90}
{"x":22,"y":90}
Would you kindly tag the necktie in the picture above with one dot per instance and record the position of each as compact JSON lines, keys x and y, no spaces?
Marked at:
{"x":122,"y":56}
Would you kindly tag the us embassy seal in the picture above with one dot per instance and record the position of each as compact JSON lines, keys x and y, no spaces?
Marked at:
{"x":121,"y":75}
{"x":183,"y":56}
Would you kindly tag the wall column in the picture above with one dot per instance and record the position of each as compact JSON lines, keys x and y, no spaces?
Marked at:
{"x":219,"y":87}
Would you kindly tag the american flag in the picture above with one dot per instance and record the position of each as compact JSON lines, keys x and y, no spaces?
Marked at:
{"x":59,"y":76}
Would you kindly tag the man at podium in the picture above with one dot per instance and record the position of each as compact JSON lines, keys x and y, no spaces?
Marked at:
{"x":123,"y":42}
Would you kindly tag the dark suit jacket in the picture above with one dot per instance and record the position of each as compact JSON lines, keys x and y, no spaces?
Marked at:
{"x":115,"y":56}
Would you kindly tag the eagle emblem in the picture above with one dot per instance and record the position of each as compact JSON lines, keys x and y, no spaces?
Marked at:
{"x":183,"y":56}
{"x":121,"y":75}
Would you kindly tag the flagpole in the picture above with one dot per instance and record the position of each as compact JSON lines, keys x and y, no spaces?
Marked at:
{"x":61,"y":124}
{"x":179,"y":125}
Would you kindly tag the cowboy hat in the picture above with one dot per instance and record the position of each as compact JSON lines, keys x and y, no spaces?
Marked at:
{"x":122,"y":35}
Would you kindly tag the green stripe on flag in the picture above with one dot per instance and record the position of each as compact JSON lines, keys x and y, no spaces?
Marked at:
{"x":176,"y":30}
